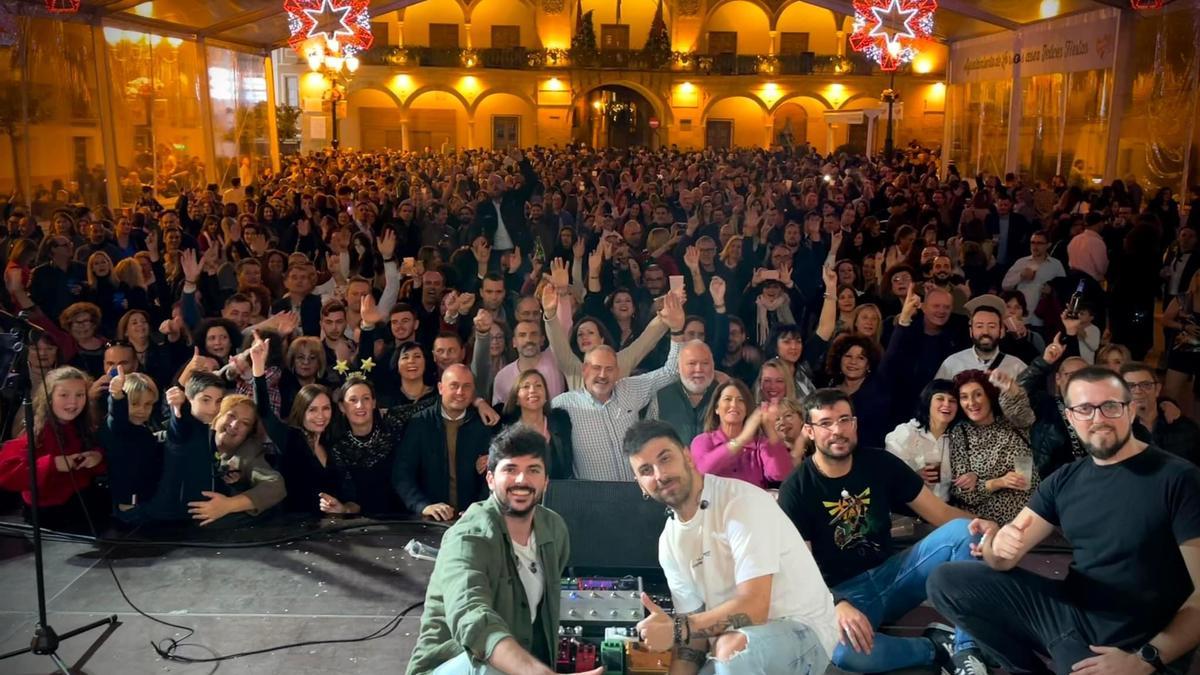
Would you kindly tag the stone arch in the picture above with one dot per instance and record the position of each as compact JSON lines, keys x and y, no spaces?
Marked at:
{"x":799,"y":98}
{"x":498,"y":90}
{"x":498,"y":102}
{"x":356,"y":87}
{"x":761,"y":4}
{"x":373,"y":115}
{"x":783,"y":7}
{"x":437,"y":87}
{"x":661,"y":109}
{"x":708,"y":106}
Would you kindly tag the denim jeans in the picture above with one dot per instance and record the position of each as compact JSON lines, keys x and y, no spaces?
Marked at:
{"x":893,"y":589}
{"x":462,"y":665}
{"x":777,"y":647}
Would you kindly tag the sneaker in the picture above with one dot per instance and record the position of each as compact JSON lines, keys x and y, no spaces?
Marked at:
{"x":970,"y":662}
{"x":942,"y":637}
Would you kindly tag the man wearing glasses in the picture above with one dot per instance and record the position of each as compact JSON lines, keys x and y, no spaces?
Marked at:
{"x":1172,"y":432}
{"x":1132,"y":514}
{"x":842,"y":502}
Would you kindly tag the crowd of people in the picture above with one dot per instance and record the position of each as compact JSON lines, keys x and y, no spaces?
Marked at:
{"x":351,"y":334}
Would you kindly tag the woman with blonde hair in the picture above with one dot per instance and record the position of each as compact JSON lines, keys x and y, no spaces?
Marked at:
{"x":867,"y":321}
{"x":67,"y":456}
{"x":775,"y":382}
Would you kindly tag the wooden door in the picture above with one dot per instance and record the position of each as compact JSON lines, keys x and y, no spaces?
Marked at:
{"x":506,"y":37}
{"x":718,"y":134}
{"x":614,"y":36}
{"x":722,"y":42}
{"x":858,"y":137}
{"x":443,"y":35}
{"x":506,"y":131}
{"x":793,"y":43}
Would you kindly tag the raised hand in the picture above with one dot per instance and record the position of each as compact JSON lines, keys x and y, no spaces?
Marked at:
{"x":672,"y":312}
{"x":259,"y":351}
{"x":691,"y":258}
{"x":912,"y":303}
{"x":716,"y":288}
{"x":1054,"y":350}
{"x":1070,"y":324}
{"x":1004,"y":382}
{"x":482,"y":250}
{"x":369,"y":312}
{"x":560,"y":277}
{"x":465,"y":302}
{"x":287,"y":322}
{"x":483,"y":322}
{"x":657,"y":631}
{"x":190,"y":266}
{"x":116,"y":386}
{"x":829,"y":276}
{"x":387,"y":243}
{"x":514,"y":260}
{"x":596,"y":260}
{"x":578,"y":248}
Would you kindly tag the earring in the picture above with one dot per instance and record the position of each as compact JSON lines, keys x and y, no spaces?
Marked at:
{"x":645,"y":497}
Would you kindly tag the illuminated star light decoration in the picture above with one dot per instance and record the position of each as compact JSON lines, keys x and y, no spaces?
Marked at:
{"x":888,"y":30}
{"x":344,"y":22}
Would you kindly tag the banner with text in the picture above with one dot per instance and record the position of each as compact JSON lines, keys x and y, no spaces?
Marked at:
{"x":1069,"y":44}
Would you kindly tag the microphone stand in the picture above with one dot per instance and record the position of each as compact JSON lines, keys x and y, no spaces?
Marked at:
{"x":45,"y":640}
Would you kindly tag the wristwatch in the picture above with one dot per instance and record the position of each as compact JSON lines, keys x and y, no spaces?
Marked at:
{"x":1149,"y":654}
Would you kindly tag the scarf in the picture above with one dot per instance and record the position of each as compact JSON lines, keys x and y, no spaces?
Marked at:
{"x":782,"y":307}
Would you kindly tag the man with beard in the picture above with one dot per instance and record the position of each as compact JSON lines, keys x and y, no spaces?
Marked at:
{"x":492,"y":602}
{"x":528,"y":341}
{"x":1132,"y":514}
{"x":683,"y":404}
{"x":842,"y":503}
{"x":941,"y":274}
{"x":987,"y":327}
{"x":746,"y":592}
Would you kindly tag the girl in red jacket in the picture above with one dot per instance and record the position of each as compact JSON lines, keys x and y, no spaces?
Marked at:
{"x":68,"y":459}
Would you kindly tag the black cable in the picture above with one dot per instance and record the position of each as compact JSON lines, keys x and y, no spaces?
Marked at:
{"x":174,"y":644}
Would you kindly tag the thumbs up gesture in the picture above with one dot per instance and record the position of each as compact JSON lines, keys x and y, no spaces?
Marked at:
{"x":657,"y":631}
{"x":1010,"y":540}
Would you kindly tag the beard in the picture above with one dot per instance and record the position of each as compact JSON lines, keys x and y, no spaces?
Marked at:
{"x":1104,"y":452}
{"x":831,"y":454}
{"x":683,"y":488}
{"x":985,"y":343}
{"x":506,"y":507}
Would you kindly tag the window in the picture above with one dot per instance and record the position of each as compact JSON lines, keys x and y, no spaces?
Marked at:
{"x":722,"y":42}
{"x":793,"y":43}
{"x":506,"y":37}
{"x":291,"y":90}
{"x":443,"y":35}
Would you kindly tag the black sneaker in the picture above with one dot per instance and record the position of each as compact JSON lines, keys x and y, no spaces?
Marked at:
{"x":942,"y":637}
{"x":970,"y":662}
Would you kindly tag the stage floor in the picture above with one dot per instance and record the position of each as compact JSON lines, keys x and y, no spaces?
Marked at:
{"x":335,"y":585}
{"x":344,"y":585}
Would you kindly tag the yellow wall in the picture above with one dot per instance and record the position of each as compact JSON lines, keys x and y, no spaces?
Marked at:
{"x":441,"y":100}
{"x":351,"y":134}
{"x":816,"y":21}
{"x":748,"y":20}
{"x":637,"y":14}
{"x":503,"y":12}
{"x":814,"y":132}
{"x":749,"y":121}
{"x":504,"y":104}
{"x":418,"y":17}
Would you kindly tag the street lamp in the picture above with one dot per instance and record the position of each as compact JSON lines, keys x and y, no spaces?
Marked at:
{"x":339,"y":70}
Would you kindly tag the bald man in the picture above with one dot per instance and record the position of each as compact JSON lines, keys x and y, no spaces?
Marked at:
{"x":439,"y":470}
{"x":609,"y":404}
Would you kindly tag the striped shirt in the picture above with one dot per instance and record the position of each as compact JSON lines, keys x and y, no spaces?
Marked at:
{"x":599,"y":428}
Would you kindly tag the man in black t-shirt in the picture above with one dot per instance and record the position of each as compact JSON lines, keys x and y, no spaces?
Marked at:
{"x":1132,"y":514}
{"x":842,"y":502}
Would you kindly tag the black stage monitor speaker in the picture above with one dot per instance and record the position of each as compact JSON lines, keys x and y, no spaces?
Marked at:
{"x":611,"y":526}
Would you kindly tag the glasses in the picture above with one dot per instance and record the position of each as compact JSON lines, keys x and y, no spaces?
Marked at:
{"x":1147,"y":385}
{"x":841,"y":422}
{"x":1087,"y":411}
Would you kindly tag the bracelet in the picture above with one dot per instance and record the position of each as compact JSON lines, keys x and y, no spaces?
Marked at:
{"x":676,"y":333}
{"x":388,"y":260}
{"x":677,"y":630}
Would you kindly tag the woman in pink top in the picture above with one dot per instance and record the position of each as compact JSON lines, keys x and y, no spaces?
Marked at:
{"x":739,"y":445}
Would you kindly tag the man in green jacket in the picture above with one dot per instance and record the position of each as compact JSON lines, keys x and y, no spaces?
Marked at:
{"x":492,"y":602}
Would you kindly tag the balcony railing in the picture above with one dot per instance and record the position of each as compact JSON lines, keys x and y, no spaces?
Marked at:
{"x":521,"y":58}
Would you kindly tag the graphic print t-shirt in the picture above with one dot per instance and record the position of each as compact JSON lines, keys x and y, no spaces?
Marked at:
{"x":848,"y":520}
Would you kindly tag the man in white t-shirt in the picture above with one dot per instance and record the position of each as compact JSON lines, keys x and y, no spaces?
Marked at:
{"x":748,"y":596}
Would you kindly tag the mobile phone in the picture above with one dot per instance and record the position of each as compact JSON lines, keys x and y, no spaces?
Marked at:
{"x":112,"y":372}
{"x":770,"y":275}
{"x":409,"y":262}
{"x":677,"y":282}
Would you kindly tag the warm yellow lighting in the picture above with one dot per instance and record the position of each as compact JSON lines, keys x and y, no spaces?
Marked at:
{"x":113,"y":35}
{"x":334,"y":63}
{"x":554,"y":84}
{"x":893,"y":47}
{"x":687,"y":88}
{"x":597,"y":104}
{"x":174,"y":42}
{"x":468,"y":83}
{"x":836,"y":94}
{"x":146,"y":9}
{"x":315,"y":59}
{"x":939,"y":88}
{"x":1048,"y":9}
{"x":155,"y":40}
{"x":923,"y":65}
{"x":402,"y":82}
{"x":352,"y":63}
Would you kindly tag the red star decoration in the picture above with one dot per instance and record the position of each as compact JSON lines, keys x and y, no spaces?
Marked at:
{"x":353,"y":14}
{"x":871,"y":35}
{"x":62,"y":6}
{"x":1147,"y":4}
